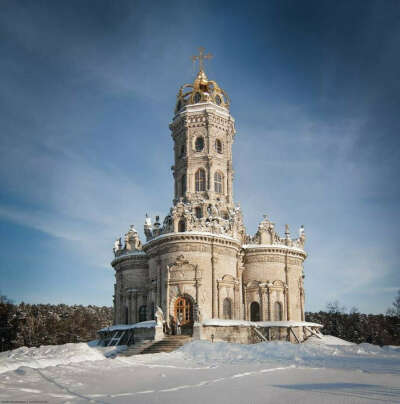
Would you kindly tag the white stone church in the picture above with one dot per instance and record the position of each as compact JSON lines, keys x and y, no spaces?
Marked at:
{"x":198,"y":265}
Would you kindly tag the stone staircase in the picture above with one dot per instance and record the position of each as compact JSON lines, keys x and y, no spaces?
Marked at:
{"x":136,"y":349}
{"x":168,"y":344}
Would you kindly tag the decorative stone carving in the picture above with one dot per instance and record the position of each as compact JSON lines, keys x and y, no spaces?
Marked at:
{"x":182,"y":270}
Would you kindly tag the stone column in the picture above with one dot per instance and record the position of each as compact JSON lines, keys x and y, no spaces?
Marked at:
{"x":236,"y":302}
{"x":246,"y":317}
{"x":302,"y":304}
{"x":269,"y":304}
{"x":209,"y":176}
{"x":167,"y":295}
{"x":159,"y":283}
{"x":287,"y":311}
{"x":286,"y":304}
{"x":264,"y":305}
{"x":228,"y":185}
{"x":218,"y":300}
{"x":130,"y":308}
{"x":213,"y":280}
{"x":261,"y":299}
{"x":190,"y":183}
{"x":239,"y":276}
{"x":136,"y":308}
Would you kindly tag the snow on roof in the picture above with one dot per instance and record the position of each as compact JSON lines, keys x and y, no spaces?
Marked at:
{"x":272,"y":246}
{"x":119,"y":327}
{"x":204,"y":106}
{"x":243,"y":323}
{"x":193,"y":233}
{"x":129,"y":254}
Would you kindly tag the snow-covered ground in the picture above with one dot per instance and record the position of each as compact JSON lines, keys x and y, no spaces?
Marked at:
{"x":320,"y":371}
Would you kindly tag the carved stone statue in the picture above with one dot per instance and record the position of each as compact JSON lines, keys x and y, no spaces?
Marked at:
{"x":117,"y":245}
{"x":159,"y":316}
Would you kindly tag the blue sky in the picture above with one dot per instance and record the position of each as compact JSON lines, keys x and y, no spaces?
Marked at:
{"x":88,"y":91}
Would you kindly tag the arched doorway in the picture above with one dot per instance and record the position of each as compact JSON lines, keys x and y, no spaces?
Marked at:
{"x":126,"y":315}
{"x":227,"y":309}
{"x":184,"y":311}
{"x":254,"y":311}
{"x":181,"y":226}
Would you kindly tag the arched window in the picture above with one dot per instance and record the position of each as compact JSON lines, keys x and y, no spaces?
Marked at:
{"x":218,"y":146}
{"x":142,"y":313}
{"x":254,"y":311}
{"x":227,"y":309}
{"x":200,"y":180}
{"x":183,"y":185}
{"x":181,"y":226}
{"x":126,"y":315}
{"x":199,"y":144}
{"x":198,"y":212}
{"x":218,"y":182}
{"x":278,"y":311}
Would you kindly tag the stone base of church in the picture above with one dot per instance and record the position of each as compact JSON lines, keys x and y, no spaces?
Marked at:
{"x":246,"y":332}
{"x":214,"y":330}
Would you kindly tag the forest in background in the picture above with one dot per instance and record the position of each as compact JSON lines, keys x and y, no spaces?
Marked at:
{"x":46,"y":324}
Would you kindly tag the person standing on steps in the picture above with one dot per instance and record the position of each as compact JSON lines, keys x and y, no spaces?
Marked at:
{"x":178,"y":325}
{"x":173,"y":326}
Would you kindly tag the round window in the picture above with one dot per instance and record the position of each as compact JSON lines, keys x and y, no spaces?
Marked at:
{"x":199,"y":144}
{"x":197,"y":97}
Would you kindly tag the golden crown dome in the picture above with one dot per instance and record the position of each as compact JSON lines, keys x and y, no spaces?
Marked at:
{"x":202,"y":89}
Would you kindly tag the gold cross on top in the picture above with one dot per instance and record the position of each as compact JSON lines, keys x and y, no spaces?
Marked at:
{"x":201,"y":58}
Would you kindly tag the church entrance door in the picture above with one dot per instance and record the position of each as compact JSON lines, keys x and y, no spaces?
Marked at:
{"x":254,"y":311}
{"x":184,"y":312}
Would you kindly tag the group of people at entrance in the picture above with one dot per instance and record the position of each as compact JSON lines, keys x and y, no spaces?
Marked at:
{"x":174,"y":327}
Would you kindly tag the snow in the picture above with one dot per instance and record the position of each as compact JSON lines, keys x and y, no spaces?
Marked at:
{"x":244,"y":323}
{"x":342,"y":354}
{"x":201,"y":371}
{"x":119,"y":327}
{"x":328,"y":340}
{"x":128,"y":254}
{"x":193,"y":233}
{"x":205,"y":106}
{"x":283,"y":246}
{"x":53,"y":355}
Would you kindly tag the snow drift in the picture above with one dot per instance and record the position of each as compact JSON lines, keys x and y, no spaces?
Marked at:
{"x":343,"y":355}
{"x":50,"y":355}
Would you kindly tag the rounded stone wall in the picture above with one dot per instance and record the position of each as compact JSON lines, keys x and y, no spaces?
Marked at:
{"x":131,"y":287}
{"x":272,"y":282}
{"x":201,"y":267}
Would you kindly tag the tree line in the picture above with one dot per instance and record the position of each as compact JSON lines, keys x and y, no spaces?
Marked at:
{"x":353,"y":326}
{"x":378,"y":329}
{"x":46,"y":324}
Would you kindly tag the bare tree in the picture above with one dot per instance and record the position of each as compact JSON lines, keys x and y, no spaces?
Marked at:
{"x":395,"y":310}
{"x":334,"y":307}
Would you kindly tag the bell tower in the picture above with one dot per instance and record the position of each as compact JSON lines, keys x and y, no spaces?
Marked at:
{"x":203,"y":132}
